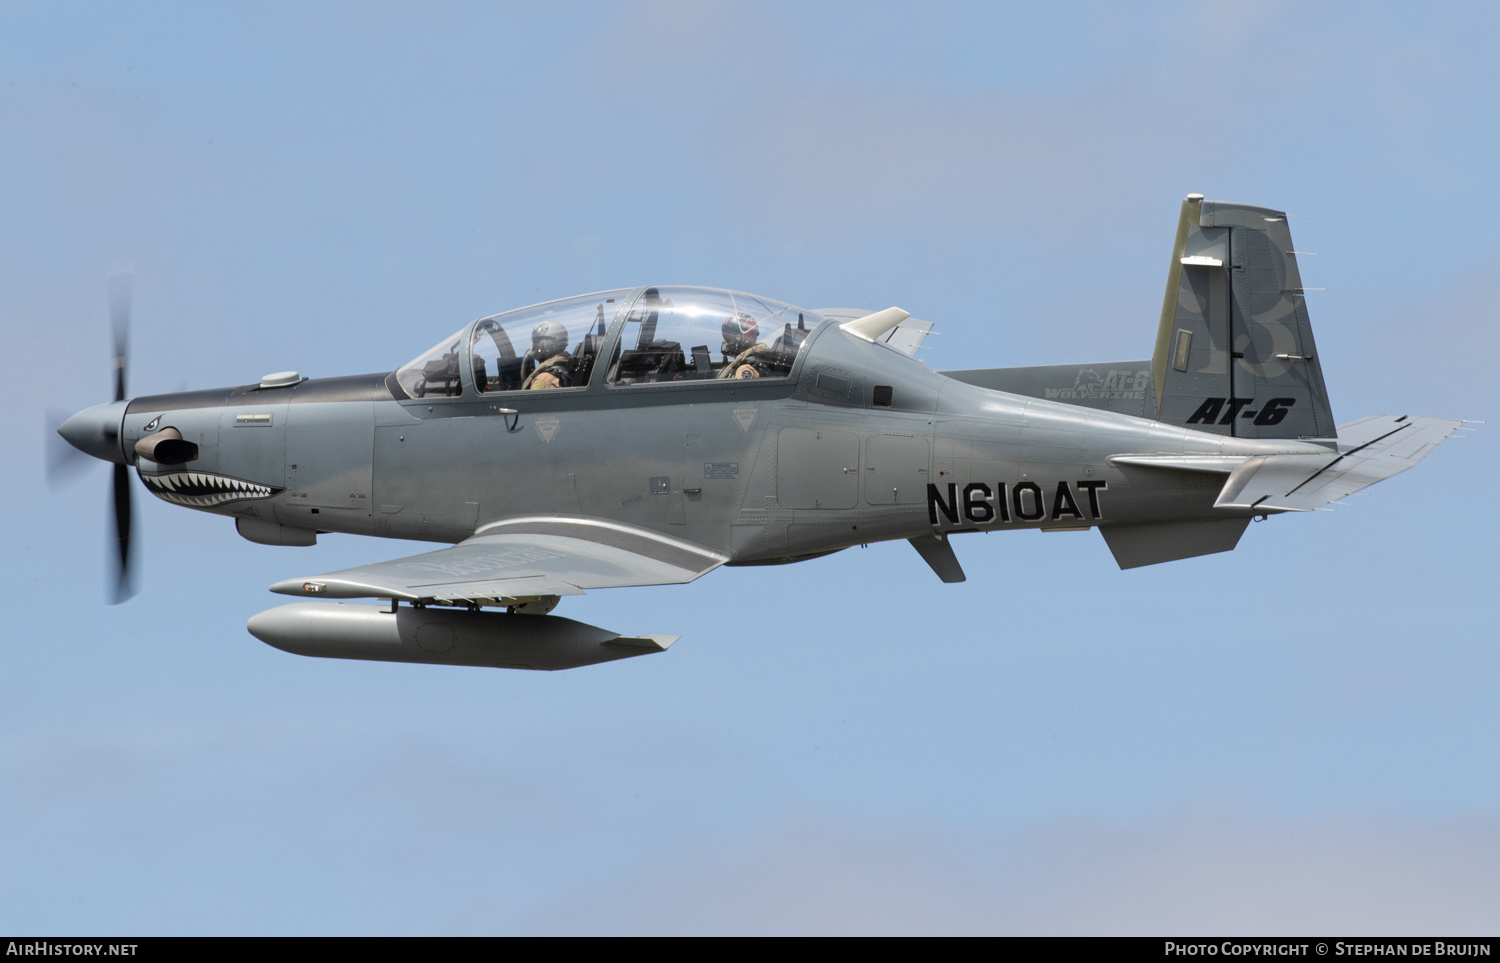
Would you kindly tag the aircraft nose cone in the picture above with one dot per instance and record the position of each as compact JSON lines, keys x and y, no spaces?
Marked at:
{"x":96,"y":431}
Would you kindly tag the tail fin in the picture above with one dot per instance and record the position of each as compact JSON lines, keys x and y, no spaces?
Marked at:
{"x":1234,"y":351}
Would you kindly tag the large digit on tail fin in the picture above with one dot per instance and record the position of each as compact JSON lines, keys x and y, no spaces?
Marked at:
{"x":1234,"y":349}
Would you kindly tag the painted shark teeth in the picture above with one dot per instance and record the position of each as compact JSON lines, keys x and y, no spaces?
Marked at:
{"x":201,"y":489}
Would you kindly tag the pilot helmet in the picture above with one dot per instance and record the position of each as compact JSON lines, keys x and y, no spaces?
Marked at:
{"x":740,"y":333}
{"x":549,"y":338}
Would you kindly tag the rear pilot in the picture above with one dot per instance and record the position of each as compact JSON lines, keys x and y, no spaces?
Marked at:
{"x":744,"y":355}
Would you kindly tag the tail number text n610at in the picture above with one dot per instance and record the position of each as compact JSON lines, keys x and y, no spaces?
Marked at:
{"x":1027,"y":501}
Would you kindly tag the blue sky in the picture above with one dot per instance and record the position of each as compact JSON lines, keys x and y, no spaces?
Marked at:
{"x":1300,"y":735}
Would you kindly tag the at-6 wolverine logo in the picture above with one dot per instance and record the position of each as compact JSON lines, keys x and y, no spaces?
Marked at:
{"x":1027,"y":502}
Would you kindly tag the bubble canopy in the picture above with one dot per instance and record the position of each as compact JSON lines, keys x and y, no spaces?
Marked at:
{"x":663,"y":335}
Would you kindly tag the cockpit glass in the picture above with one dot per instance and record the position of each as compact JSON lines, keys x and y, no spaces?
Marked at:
{"x":708,"y":334}
{"x":552,"y":345}
{"x":434,"y":373}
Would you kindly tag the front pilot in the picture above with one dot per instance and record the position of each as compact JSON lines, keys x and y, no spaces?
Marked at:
{"x":549,"y":342}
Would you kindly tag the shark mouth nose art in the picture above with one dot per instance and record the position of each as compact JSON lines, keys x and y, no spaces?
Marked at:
{"x":202,"y":489}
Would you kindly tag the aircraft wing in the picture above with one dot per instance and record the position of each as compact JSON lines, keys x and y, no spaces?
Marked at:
{"x":1369,"y":450}
{"x":520,"y":559}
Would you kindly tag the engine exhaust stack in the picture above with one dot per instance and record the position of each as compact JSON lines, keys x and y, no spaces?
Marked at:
{"x":339,"y":630}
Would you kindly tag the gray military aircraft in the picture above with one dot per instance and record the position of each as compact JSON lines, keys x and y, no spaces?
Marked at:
{"x":648,"y":436}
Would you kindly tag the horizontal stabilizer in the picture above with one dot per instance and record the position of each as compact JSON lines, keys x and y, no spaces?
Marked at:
{"x":1370,"y":450}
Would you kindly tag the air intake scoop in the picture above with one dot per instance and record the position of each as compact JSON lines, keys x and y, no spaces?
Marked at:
{"x":166,"y":447}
